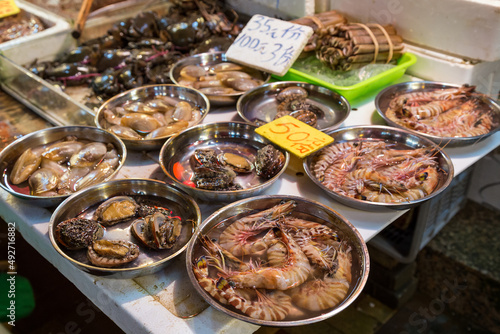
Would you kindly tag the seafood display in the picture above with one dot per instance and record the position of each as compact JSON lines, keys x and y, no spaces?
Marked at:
{"x":314,"y":105}
{"x":223,"y":78}
{"x":377,"y":171}
{"x":140,"y":50}
{"x":62,"y":167}
{"x":19,"y":25}
{"x":217,"y":171}
{"x":151,"y":118}
{"x":274,"y":265}
{"x":154,"y":227}
{"x":447,"y":112}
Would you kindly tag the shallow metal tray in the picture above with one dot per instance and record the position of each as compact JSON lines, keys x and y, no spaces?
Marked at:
{"x":259,"y":105}
{"x":306,"y":209}
{"x":233,"y":137}
{"x":388,"y":135}
{"x":147,"y":191}
{"x":384,"y":98}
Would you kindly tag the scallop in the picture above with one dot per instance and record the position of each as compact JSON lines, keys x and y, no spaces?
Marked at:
{"x":112,"y":253}
{"x":141,"y":123}
{"x":25,"y":165}
{"x":78,"y":233}
{"x":116,"y":209}
{"x":89,"y":155}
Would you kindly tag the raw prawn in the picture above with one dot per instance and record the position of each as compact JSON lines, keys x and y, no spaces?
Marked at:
{"x":272,"y":306}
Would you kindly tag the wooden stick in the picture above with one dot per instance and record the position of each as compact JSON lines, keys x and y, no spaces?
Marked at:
{"x":370,"y":48}
{"x":82,"y":18}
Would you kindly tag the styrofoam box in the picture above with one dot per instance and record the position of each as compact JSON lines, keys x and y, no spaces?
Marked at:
{"x":440,"y":67}
{"x":42,"y":44}
{"x":467,"y":28}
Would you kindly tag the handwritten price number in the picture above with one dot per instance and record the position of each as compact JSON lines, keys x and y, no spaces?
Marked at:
{"x":8,"y":7}
{"x":301,"y":141}
{"x":276,"y":52}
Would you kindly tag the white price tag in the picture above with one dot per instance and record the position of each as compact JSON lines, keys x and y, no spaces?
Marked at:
{"x":269,"y":44}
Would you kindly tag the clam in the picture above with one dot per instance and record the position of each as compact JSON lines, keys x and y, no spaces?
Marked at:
{"x":160,"y":105}
{"x":62,"y":151}
{"x":68,"y":180}
{"x":89,"y":155}
{"x":192,"y":72}
{"x":78,"y":233}
{"x":43,"y":180}
{"x":112,"y":253}
{"x":116,"y":209}
{"x":269,"y":161}
{"x":138,"y":107}
{"x":167,"y":130}
{"x":59,"y":169}
{"x":25,"y":165}
{"x":98,"y":174}
{"x":217,"y":90}
{"x":226,"y":66}
{"x":124,"y":132}
{"x":183,"y":111}
{"x":157,"y":231}
{"x":111,"y":117}
{"x":236,"y":162}
{"x":140,"y":122}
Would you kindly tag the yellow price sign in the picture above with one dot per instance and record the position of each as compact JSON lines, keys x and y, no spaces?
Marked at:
{"x":8,"y":7}
{"x":294,"y":136}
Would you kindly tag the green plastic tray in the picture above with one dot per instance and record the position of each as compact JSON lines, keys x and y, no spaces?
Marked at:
{"x":362,"y":88}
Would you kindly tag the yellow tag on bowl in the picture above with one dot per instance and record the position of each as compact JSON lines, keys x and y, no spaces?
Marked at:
{"x":294,"y":136}
{"x":8,"y":7}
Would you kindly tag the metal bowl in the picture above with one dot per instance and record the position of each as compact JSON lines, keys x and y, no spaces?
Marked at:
{"x":401,"y":138}
{"x":232,"y":137}
{"x":306,"y":209}
{"x":150,"y":192}
{"x":196,"y":98}
{"x":209,"y":59}
{"x":259,"y":105}
{"x":384,"y":98}
{"x":9,"y":156}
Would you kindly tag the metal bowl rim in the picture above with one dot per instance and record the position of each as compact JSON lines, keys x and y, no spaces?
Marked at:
{"x":402,"y":205}
{"x":36,"y":133}
{"x":97,"y":116}
{"x":105,"y":270}
{"x":340,"y":97}
{"x":222,"y":192}
{"x":457,"y":141}
{"x":364,"y":265}
{"x":212,"y":55}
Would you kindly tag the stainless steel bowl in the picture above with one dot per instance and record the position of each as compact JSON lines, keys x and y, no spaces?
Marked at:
{"x":209,"y":59}
{"x":387,"y":134}
{"x":384,"y":98}
{"x":232,"y":137}
{"x":306,"y":209}
{"x":144,"y":93}
{"x":148,"y":191}
{"x":259,"y":105}
{"x":9,"y":155}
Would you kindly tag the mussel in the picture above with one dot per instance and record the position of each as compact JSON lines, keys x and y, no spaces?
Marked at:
{"x":78,"y":233}
{"x":112,"y":253}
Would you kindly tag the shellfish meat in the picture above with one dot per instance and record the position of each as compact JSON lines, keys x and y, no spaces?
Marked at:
{"x":116,"y":209}
{"x":78,"y":233}
{"x":112,"y":253}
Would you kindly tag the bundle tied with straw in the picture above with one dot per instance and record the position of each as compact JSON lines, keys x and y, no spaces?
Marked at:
{"x":345,"y":47}
{"x":317,"y":22}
